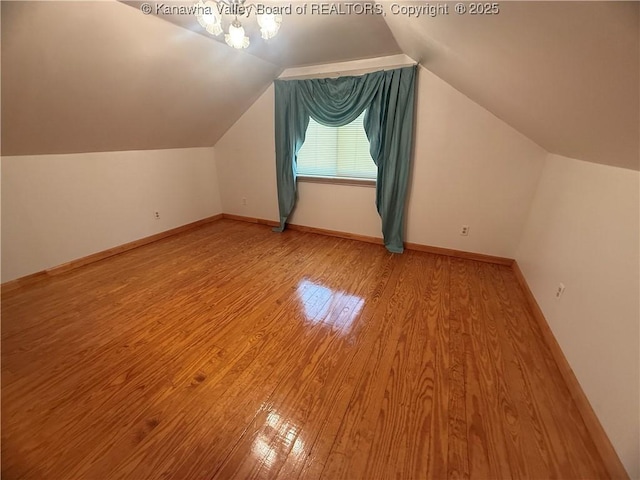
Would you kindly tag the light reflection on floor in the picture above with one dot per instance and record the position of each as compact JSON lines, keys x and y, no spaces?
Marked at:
{"x":322,"y":304}
{"x":278,"y":437}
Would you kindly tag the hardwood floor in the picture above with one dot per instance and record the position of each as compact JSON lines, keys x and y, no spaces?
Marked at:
{"x":233,"y":352}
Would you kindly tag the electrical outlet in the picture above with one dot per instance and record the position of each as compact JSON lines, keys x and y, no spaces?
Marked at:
{"x":464,"y":230}
{"x":560,"y":290}
{"x":244,"y":200}
{"x":156,"y":215}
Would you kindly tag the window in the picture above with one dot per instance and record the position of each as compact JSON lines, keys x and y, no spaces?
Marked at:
{"x":341,"y":152}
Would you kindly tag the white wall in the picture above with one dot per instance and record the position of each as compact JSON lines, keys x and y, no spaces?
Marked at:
{"x":583,"y":231}
{"x":469,"y":168}
{"x":57,"y":208}
{"x":245,"y":158}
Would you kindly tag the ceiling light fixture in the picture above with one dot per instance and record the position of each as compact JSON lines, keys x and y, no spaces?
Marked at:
{"x":211,"y":13}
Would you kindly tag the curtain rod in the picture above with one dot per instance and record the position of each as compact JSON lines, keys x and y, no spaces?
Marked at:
{"x":348,"y":72}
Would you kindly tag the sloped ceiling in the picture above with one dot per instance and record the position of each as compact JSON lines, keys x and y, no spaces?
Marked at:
{"x":101,"y":76}
{"x":311,"y":39}
{"x":565,"y":74}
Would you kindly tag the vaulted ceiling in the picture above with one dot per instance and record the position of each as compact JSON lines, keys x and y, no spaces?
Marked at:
{"x":565,"y":74}
{"x":102,"y":76}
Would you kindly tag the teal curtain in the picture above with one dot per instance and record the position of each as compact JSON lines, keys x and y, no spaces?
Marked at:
{"x":388,"y":97}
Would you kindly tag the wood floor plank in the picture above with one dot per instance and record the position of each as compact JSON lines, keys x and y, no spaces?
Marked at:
{"x":314,"y":308}
{"x":358,"y":429}
{"x":516,"y":425}
{"x":488,"y":455}
{"x":325,"y":425}
{"x":301,"y":398}
{"x":418,"y":371}
{"x":77,"y":391}
{"x":561,"y":433}
{"x":399,"y":414}
{"x":229,"y":351}
{"x":458,"y":448}
{"x":262,"y":356}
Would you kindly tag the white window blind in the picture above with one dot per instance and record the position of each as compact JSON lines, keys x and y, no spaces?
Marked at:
{"x":336,"y":151}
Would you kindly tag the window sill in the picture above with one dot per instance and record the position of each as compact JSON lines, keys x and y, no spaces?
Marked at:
{"x":358,"y":182}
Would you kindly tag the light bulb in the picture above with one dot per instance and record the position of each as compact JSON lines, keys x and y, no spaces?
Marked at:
{"x":209,"y":17}
{"x":269,"y":24}
{"x":236,"y":37}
